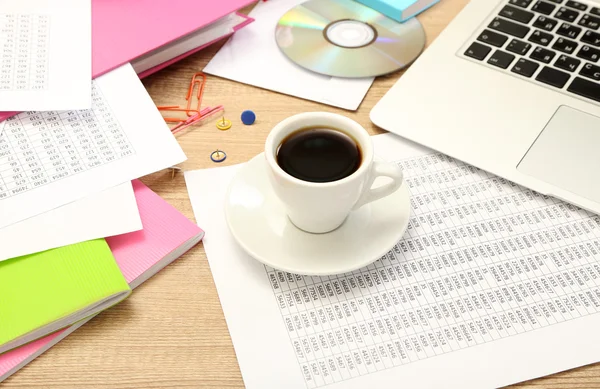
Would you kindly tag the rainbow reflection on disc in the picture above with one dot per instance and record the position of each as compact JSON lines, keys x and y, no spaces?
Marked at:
{"x":343,"y":38}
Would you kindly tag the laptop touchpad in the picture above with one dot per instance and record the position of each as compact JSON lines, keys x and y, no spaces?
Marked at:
{"x":567,"y":153}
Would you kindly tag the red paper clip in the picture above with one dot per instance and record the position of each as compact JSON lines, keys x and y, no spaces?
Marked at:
{"x":204,"y":114}
{"x":176,"y":108}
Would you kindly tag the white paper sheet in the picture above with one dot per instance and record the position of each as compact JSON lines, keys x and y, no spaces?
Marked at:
{"x":492,"y":284}
{"x":110,"y":212}
{"x":251,"y":56}
{"x":45,"y":54}
{"x":48,"y":159}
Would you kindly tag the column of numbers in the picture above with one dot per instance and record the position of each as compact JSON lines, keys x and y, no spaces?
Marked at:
{"x":76,"y":124}
{"x":11,"y":164}
{"x":62,"y":148}
{"x":41,"y":150}
{"x":119,"y":145}
{"x":24,"y":52}
{"x":8,"y":38}
{"x":23,"y":47}
{"x":38,"y":64}
{"x":104,"y":130}
{"x":5,"y":165}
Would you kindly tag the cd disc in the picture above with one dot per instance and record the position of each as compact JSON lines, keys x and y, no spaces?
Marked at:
{"x":344,"y":38}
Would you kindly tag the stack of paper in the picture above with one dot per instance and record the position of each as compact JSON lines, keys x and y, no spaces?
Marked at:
{"x":166,"y":235}
{"x":60,"y":170}
{"x":74,"y":132}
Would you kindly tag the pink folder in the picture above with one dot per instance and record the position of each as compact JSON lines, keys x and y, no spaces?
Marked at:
{"x":139,"y":254}
{"x":123,"y":30}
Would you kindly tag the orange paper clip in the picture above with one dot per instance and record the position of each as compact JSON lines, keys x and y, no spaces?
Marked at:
{"x":200,"y":83}
{"x":194,"y":115}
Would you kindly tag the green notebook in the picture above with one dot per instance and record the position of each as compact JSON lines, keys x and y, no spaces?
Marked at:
{"x":44,"y":292}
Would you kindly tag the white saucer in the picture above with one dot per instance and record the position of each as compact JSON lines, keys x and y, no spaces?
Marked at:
{"x":258,"y":222}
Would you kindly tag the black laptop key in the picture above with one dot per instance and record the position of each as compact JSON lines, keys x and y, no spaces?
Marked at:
{"x":595,"y":11}
{"x":567,"y":63}
{"x":569,"y":30}
{"x":585,"y":88}
{"x":508,"y":27}
{"x":589,"y":53}
{"x":545,"y":23}
{"x":518,"y":14}
{"x":518,"y":47}
{"x":541,"y":38}
{"x":590,"y":21}
{"x":552,"y":77}
{"x":525,"y":67}
{"x":501,"y":59}
{"x":565,"y":45}
{"x":566,"y":14}
{"x":590,"y":71}
{"x":542,"y":55}
{"x":493,"y":38}
{"x":521,"y":3}
{"x":478,"y":51}
{"x":591,"y":37}
{"x":543,"y":7}
{"x":576,"y":5}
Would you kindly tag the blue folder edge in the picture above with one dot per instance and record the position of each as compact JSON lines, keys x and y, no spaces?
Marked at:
{"x":396,"y":12}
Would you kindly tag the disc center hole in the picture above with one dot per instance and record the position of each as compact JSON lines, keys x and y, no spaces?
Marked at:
{"x":350,"y":33}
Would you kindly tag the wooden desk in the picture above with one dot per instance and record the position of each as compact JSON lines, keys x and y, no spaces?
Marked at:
{"x":171,"y":332}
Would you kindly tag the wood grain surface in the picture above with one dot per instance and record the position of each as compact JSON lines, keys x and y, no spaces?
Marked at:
{"x":171,"y":332}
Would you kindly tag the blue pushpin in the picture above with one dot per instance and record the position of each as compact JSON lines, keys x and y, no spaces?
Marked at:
{"x":218,"y":156}
{"x":248,"y":117}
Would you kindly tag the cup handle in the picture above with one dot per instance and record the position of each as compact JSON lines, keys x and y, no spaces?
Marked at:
{"x":381,"y":169}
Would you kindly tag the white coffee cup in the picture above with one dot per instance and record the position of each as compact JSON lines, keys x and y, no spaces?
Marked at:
{"x":323,"y":207}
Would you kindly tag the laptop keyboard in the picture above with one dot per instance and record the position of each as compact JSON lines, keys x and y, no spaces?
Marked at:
{"x":552,"y":42}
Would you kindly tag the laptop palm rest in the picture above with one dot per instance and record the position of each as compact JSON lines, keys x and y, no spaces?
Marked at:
{"x":566,"y":154}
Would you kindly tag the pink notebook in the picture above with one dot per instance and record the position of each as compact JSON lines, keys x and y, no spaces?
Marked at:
{"x":123,"y":30}
{"x":166,"y":236}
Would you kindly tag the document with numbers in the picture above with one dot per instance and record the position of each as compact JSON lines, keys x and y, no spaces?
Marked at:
{"x":51,"y":158}
{"x":45,"y":54}
{"x":492,"y":284}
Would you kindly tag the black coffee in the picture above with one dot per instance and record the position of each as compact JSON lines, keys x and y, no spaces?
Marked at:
{"x":319,"y":154}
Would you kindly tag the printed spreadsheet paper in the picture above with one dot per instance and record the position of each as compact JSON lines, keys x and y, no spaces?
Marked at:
{"x":111,"y":212}
{"x":492,"y":284}
{"x":51,"y":158}
{"x":45,"y":54}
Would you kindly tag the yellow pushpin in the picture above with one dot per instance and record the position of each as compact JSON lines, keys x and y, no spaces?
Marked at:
{"x":224,"y":124}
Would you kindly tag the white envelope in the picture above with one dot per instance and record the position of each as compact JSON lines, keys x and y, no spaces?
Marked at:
{"x":251,"y":56}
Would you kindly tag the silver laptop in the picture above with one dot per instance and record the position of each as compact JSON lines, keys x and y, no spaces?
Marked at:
{"x":512,"y":87}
